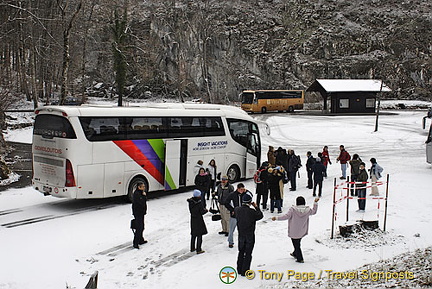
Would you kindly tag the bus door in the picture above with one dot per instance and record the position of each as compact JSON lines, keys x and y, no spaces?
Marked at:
{"x":253,"y":155}
{"x":175,"y":164}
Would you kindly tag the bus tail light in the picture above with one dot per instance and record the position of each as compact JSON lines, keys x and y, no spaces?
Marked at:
{"x":70,"y":180}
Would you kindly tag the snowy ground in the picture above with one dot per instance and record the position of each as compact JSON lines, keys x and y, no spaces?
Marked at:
{"x":47,"y":242}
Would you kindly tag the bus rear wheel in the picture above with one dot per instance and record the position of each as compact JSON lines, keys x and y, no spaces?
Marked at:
{"x":133,"y":186}
{"x":263,"y":109}
{"x":291,"y":109}
{"x":233,"y":173}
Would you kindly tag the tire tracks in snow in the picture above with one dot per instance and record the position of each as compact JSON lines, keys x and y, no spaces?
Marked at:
{"x":43,"y":218}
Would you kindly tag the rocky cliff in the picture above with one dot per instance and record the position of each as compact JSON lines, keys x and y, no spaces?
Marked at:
{"x":215,"y":49}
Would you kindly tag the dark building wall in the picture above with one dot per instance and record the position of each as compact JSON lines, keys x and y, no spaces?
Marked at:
{"x":353,"y":102}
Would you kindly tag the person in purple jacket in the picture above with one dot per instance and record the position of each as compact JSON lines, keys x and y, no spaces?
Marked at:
{"x":298,"y":224}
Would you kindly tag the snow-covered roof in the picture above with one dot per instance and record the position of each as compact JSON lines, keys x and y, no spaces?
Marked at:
{"x":351,"y":85}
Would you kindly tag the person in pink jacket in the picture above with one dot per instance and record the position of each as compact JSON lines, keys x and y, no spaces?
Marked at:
{"x":298,"y":224}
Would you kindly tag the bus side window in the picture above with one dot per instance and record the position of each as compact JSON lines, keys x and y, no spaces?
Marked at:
{"x":107,"y":130}
{"x":213,"y":126}
{"x":102,"y":128}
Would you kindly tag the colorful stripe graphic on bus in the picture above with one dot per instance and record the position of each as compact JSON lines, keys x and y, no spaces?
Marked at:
{"x":149,"y":154}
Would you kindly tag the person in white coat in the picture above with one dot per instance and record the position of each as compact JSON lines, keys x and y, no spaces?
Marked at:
{"x":375,"y":174}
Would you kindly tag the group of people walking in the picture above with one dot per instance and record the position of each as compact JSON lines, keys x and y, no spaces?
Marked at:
{"x":237,"y":211}
{"x":236,"y":206}
{"x":283,"y":167}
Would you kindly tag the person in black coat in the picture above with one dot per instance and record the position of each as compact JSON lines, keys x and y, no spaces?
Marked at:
{"x":294,"y":164}
{"x":233,"y":201}
{"x":139,"y":210}
{"x":198,"y":227}
{"x":319,"y":171}
{"x":202,"y":183}
{"x":274,"y":177}
{"x":282,"y":158}
{"x":247,"y":215}
{"x":361,"y":187}
{"x":309,"y":163}
{"x":262,"y":185}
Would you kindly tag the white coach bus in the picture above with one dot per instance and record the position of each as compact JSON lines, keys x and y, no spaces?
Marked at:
{"x":100,"y":152}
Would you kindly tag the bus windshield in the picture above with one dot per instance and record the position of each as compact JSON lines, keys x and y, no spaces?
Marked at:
{"x":241,"y":131}
{"x":50,"y":126}
{"x":247,"y":97}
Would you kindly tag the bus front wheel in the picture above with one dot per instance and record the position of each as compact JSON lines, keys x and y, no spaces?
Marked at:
{"x":263,"y":109}
{"x":133,"y":186}
{"x":291,"y":109}
{"x":233,"y":173}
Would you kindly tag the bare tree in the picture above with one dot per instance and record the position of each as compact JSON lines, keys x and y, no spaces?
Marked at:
{"x":120,"y":33}
{"x":68,"y":25}
{"x":5,"y":101}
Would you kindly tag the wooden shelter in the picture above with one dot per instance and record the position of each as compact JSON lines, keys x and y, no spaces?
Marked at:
{"x":349,"y":95}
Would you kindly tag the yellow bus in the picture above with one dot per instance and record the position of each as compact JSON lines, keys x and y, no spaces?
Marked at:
{"x":272,"y":100}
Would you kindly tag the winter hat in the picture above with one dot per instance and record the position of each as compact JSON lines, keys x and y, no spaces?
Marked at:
{"x":246,"y":198}
{"x":224,"y":178}
{"x":300,"y":201}
{"x":197,"y":193}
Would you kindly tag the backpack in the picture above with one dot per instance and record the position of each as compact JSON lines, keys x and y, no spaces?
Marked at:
{"x":378,"y":171}
{"x":257,"y":176}
{"x":296,"y":162}
{"x":285,"y":179}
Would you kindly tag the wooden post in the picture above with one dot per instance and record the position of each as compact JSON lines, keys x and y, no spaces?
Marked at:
{"x":378,"y":106}
{"x":385,"y":206}
{"x":348,"y":195}
{"x":334,"y":208}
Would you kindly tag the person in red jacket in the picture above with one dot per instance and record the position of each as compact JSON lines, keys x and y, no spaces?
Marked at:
{"x":343,"y":158}
{"x":325,"y":158}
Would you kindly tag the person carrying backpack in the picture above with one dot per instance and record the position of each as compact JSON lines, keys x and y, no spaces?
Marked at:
{"x":294,"y":164}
